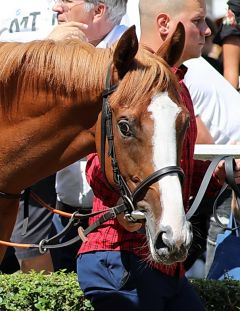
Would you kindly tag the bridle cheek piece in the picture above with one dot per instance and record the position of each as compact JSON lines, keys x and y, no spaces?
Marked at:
{"x":129,"y":198}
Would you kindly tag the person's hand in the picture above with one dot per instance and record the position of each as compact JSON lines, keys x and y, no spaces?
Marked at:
{"x":221,"y":175}
{"x":129,"y":226}
{"x":69,"y":30}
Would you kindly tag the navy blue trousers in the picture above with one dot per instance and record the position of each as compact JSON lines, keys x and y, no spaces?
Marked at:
{"x":120,"y":281}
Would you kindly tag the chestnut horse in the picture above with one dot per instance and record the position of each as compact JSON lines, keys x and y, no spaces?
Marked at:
{"x":51,"y":97}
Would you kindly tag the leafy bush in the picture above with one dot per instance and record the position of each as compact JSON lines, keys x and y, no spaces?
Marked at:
{"x":36,"y":291}
{"x":60,"y":291}
{"x":219,"y":295}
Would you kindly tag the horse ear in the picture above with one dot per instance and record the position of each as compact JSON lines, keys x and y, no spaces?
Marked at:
{"x":171,"y":50}
{"x":125,"y":51}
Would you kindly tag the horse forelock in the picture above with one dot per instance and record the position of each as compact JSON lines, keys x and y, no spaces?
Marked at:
{"x":63,"y":66}
{"x":148,"y":76}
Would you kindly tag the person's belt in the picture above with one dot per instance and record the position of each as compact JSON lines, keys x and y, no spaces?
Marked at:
{"x":71,"y":209}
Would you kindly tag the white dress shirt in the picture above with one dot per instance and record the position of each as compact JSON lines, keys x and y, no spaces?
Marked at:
{"x":215,"y":100}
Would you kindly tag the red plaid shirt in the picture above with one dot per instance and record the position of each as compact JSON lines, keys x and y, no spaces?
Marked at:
{"x":111,"y":235}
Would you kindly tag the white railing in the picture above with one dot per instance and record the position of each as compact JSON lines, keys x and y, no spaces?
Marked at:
{"x":208,"y":152}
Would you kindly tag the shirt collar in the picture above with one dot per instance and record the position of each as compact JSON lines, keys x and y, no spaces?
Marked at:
{"x":180,"y":71}
{"x":112,"y":36}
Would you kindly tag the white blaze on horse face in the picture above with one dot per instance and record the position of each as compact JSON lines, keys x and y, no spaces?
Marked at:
{"x":164,"y":113}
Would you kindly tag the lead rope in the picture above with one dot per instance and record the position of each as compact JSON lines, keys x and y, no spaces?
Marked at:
{"x":114,"y":211}
{"x":204,"y":184}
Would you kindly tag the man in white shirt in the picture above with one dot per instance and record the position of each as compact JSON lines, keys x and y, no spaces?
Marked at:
{"x":215,"y":101}
{"x":217,"y":104}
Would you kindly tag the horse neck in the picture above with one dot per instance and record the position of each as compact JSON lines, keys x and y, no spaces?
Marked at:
{"x":73,"y":71}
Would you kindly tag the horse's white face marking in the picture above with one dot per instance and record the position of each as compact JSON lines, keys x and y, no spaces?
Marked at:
{"x":164,"y":113}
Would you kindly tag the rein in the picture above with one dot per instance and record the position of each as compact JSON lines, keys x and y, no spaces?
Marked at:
{"x":230,"y":182}
{"x":51,"y":243}
{"x":111,"y":213}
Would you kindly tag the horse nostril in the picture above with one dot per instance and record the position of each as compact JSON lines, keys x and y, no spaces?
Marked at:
{"x":159,"y":243}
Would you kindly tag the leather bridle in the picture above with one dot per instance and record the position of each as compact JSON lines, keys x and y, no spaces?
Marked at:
{"x":129,"y":198}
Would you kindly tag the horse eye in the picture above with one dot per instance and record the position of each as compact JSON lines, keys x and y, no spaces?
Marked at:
{"x":124,"y":128}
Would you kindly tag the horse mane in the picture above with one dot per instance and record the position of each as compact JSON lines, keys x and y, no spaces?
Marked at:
{"x":63,"y":67}
{"x":154,"y":73}
{"x":71,"y":67}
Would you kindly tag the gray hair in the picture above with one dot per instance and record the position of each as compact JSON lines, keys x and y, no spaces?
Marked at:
{"x":115,"y":9}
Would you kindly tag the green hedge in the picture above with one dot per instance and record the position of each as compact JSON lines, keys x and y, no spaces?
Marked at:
{"x":60,"y":291}
{"x":36,"y":291}
{"x":219,"y":295}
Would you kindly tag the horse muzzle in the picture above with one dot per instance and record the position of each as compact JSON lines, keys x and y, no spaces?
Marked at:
{"x":166,"y":249}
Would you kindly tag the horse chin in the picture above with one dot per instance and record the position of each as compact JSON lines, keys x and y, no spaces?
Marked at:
{"x":166,"y":255}
{"x":167,"y":258}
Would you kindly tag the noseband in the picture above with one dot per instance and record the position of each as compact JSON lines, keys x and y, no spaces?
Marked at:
{"x":129,"y":198}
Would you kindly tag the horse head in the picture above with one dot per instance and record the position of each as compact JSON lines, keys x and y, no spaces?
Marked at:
{"x":145,"y":134}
